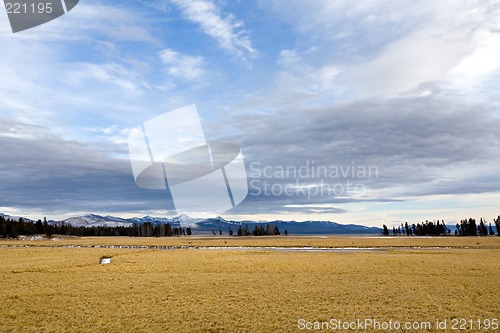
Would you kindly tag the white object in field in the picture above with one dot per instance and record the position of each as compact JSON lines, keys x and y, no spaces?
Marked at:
{"x":105,"y":261}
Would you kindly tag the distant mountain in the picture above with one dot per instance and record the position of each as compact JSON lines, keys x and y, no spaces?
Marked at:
{"x":93,"y":220}
{"x":293,"y":227}
{"x":15,"y":218}
{"x":207,"y":225}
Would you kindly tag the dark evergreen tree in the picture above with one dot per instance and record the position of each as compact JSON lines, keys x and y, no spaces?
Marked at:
{"x":482,"y":228}
{"x":48,"y":229}
{"x":168,"y":230}
{"x":269,"y":230}
{"x":3,"y":232}
{"x":472,"y":227}
{"x":385,"y":231}
{"x":276,"y":231}
{"x":12,"y":228}
{"x":497,"y":225}
{"x":39,"y":227}
{"x":21,"y":228}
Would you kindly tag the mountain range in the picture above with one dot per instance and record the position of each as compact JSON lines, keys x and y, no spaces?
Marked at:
{"x":207,"y":225}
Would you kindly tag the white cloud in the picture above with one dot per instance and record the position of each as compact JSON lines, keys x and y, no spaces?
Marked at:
{"x":406,"y":63}
{"x":113,"y":74}
{"x":386,"y":48}
{"x":182,"y":66}
{"x":479,"y":66}
{"x":226,"y":31}
{"x":288,"y":57}
{"x":91,"y":21}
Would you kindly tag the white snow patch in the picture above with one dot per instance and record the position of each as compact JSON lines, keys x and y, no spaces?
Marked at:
{"x":105,"y":261}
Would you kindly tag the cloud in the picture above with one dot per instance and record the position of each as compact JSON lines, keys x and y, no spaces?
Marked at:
{"x":433,"y":144}
{"x":384,"y":48}
{"x":406,"y":63}
{"x":49,"y":174}
{"x":182,"y":66}
{"x":226,"y":31}
{"x":297,"y":75}
{"x":111,"y":73}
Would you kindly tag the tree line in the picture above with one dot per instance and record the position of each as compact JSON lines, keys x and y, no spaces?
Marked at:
{"x":466,"y":227}
{"x":258,"y":230}
{"x":12,"y":229}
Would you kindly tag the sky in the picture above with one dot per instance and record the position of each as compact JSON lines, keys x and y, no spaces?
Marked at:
{"x":365,"y":112}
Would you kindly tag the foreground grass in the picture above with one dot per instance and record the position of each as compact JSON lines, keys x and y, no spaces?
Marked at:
{"x":490,"y":242}
{"x":66,"y":290}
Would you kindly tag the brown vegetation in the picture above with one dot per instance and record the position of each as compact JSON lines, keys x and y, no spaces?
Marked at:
{"x":65,"y":289}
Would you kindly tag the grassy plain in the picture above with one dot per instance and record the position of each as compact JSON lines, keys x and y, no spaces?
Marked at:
{"x":281,"y":241}
{"x":45,"y":289}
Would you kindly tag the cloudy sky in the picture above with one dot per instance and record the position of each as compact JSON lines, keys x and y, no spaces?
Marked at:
{"x":363,"y":112}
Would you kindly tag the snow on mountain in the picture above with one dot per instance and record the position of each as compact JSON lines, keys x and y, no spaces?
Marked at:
{"x":15,"y":218}
{"x":185,"y":220}
{"x":93,"y":220}
{"x":207,"y":225}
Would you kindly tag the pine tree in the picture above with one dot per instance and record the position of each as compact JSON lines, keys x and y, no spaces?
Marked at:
{"x":168,"y":230}
{"x":497,"y":225}
{"x":276,"y":231}
{"x":48,"y":229}
{"x":482,"y":228}
{"x":39,"y":227}
{"x":2,"y":227}
{"x":21,"y":227}
{"x":407,"y":229}
{"x":385,"y":232}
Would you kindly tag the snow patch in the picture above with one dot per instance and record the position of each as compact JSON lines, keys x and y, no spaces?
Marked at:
{"x":105,"y":261}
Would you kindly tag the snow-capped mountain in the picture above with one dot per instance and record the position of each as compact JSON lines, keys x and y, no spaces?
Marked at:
{"x":15,"y":218}
{"x":93,"y":220}
{"x":208,"y":225}
{"x":185,"y":220}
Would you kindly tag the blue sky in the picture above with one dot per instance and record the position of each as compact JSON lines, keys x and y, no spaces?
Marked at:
{"x":409,"y":89}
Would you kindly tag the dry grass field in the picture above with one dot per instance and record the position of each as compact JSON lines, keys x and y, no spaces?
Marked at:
{"x":64,"y":289}
{"x":281,"y":241}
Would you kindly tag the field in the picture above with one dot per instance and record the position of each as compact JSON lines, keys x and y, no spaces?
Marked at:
{"x":64,"y":289}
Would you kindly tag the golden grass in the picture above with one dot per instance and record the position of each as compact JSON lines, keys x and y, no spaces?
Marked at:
{"x":66,"y":290}
{"x":282,"y":241}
